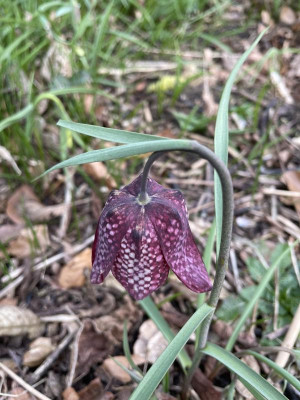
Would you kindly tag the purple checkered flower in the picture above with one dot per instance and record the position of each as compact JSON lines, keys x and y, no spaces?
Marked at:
{"x":139,"y":241}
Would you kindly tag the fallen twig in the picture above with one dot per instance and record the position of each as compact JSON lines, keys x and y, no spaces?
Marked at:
{"x":289,"y":340}
{"x":22,"y":383}
{"x":277,"y":192}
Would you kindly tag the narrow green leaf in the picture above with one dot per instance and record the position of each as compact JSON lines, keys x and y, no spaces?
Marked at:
{"x":45,"y":7}
{"x":259,"y":291}
{"x":252,"y":390}
{"x":207,"y":256}
{"x":257,"y":382}
{"x":230,"y":390}
{"x":121,"y":152}
{"x":134,"y":375}
{"x":112,"y":135}
{"x":156,"y":373}
{"x":215,"y":41}
{"x":280,"y":371}
{"x":221,"y":134}
{"x":100,"y":36}
{"x":153,"y":312}
{"x":83,"y":90}
{"x":16,"y":117}
{"x":130,"y":38}
{"x":7,"y":52}
{"x":127,"y":349}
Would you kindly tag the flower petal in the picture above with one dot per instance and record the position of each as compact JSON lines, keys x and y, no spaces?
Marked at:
{"x":134,"y":187}
{"x":140,"y":266}
{"x":187,"y":264}
{"x":177,"y":244}
{"x":117,"y":216}
{"x":175,"y":199}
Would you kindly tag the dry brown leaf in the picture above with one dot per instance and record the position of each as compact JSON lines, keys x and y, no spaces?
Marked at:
{"x":88,"y":100}
{"x":116,"y":371}
{"x":204,"y":387}
{"x":168,"y":133}
{"x":24,"y":204}
{"x":287,"y":16}
{"x":266,"y":18}
{"x":8,"y":362}
{"x":124,"y":394}
{"x":93,"y":347}
{"x":39,"y":349}
{"x":141,"y":86}
{"x":6,"y":301}
{"x":16,"y":321}
{"x":253,"y":364}
{"x":102,"y":114}
{"x":247,"y":339}
{"x":112,"y":325}
{"x":107,"y":396}
{"x":70,"y":394}
{"x":292,"y":181}
{"x":72,"y":274}
{"x":98,"y":171}
{"x":222,"y":329}
{"x":174,"y":318}
{"x":150,"y":343}
{"x":35,"y":240}
{"x":9,"y":231}
{"x":92,"y":391}
{"x":16,"y":203}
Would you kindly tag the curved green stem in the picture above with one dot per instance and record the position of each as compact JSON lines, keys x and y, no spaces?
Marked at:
{"x":227,"y":221}
{"x":154,"y":156}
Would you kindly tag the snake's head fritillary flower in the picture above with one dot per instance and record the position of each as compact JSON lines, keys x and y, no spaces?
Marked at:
{"x":139,"y":241}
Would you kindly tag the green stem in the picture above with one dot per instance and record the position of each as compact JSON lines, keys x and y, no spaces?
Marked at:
{"x":222,"y":261}
{"x":143,"y":192}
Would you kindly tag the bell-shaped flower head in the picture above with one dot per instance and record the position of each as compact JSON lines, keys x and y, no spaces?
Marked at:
{"x":139,"y":241}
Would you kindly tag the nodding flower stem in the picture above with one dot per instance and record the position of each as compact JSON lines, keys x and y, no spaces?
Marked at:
{"x":227,"y":221}
{"x":154,"y":156}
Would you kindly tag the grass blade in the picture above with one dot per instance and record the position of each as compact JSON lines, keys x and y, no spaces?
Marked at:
{"x":16,"y":117}
{"x":112,"y":135}
{"x":125,"y":150}
{"x":130,"y":38}
{"x":252,"y":390}
{"x":7,"y":52}
{"x":221,"y":135}
{"x":207,"y":256}
{"x":127,"y":349}
{"x":254,"y":380}
{"x":100,"y":36}
{"x":216,"y":42}
{"x":259,"y":291}
{"x":134,"y":375}
{"x":156,"y":373}
{"x":279,"y":370}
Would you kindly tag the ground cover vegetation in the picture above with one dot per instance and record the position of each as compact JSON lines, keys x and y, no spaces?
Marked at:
{"x":158,"y":68}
